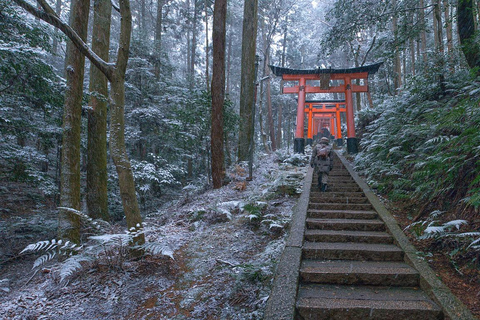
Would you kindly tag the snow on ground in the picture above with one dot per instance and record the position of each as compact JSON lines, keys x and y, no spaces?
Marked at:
{"x":225,"y":245}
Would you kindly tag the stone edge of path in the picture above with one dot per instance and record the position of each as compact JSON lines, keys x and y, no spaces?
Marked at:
{"x":429,"y":282}
{"x":281,"y":303}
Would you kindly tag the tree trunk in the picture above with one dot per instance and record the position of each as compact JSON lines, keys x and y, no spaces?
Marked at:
{"x":266,"y":73}
{"x":279,"y":125}
{"x":439,"y":43}
{"x":397,"y":73}
{"x":412,"y":56}
{"x":218,"y":90}
{"x":247,"y":82}
{"x":438,"y":27}
{"x":263,"y":135}
{"x":187,"y":64}
{"x":158,"y":38}
{"x":117,"y":127}
{"x":412,"y":47}
{"x":448,"y":23}
{"x":143,"y":22}
{"x":116,"y":77}
{"x":280,"y":106}
{"x":423,"y":34}
{"x":72,"y":120}
{"x":193,"y":48}
{"x":284,"y":43}
{"x":466,"y":32}
{"x":97,"y":176}
{"x":229,"y":61}
{"x":207,"y":58}
{"x":58,"y":11}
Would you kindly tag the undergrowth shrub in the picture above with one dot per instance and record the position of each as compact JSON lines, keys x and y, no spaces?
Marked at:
{"x":426,"y":150}
{"x":422,"y":147}
{"x":110,"y":249}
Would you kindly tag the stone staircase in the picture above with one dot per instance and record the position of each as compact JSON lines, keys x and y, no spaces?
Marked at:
{"x":350,"y":266}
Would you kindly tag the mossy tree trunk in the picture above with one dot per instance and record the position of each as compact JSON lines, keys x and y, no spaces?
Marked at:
{"x":72,"y":120}
{"x":116,"y":76}
{"x":247,"y":85}
{"x":97,"y":175}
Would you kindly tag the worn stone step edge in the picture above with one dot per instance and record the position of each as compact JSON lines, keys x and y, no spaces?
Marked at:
{"x":341,"y":214}
{"x":346,"y":200}
{"x":352,"y":251}
{"x":346,"y":224}
{"x":318,"y":235}
{"x":341,"y":272}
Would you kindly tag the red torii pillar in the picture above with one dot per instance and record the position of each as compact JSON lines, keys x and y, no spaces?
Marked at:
{"x":331,"y":108}
{"x":339,"y":126}
{"x":299,"y":142}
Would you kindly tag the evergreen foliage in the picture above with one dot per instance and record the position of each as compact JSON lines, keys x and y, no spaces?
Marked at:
{"x":424,"y":147}
{"x":30,"y":102}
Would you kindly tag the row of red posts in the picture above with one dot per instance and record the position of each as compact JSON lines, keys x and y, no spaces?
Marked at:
{"x":340,"y":81}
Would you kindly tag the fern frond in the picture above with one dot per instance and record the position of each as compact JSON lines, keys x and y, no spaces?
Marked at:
{"x":72,"y":265}
{"x":473,"y":244}
{"x":84,"y":217}
{"x":43,"y":259}
{"x":111,"y":239}
{"x":468,"y":234}
{"x":455,"y":223}
{"x":41,"y":245}
{"x":156,"y":248}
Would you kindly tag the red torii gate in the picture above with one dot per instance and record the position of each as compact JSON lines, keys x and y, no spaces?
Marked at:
{"x":325,"y":76}
{"x":326,"y":109}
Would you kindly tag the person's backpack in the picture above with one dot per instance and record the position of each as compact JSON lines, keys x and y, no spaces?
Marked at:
{"x":322,"y":152}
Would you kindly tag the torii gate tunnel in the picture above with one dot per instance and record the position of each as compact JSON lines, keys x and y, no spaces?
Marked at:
{"x":324,"y":114}
{"x":324,"y":76}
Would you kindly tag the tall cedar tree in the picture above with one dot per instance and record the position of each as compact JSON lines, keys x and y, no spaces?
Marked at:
{"x":218,"y":90}
{"x":72,"y":121}
{"x":247,"y":82}
{"x":115,"y":74}
{"x":97,"y":175}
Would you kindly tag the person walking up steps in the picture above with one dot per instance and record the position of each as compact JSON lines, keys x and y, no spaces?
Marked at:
{"x":322,"y":162}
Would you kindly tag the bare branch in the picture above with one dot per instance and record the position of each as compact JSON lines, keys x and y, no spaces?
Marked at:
{"x":48,"y":15}
{"x":115,"y":6}
{"x":368,"y":51}
{"x":46,"y":7}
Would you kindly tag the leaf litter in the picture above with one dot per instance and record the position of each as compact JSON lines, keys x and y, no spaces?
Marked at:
{"x":223,"y":260}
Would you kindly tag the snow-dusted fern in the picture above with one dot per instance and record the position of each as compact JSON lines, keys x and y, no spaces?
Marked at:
{"x":112,"y":249}
{"x":72,"y":265}
{"x":433,"y":229}
{"x":50,"y":248}
{"x":97,"y":224}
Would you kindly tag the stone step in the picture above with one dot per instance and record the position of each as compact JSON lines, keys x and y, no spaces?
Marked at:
{"x":359,"y":273}
{"x":337,"y":188}
{"x":317,"y":235}
{"x":336,"y":178}
{"x":333,"y":181}
{"x":341,"y":214}
{"x":352,"y":251}
{"x":346,"y":224}
{"x":326,"y":197}
{"x":341,"y":206}
{"x":339,"y":194}
{"x":317,"y":302}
